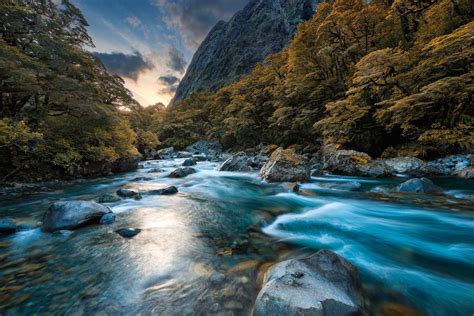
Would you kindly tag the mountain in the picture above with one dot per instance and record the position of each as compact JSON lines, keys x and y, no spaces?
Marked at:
{"x":233,"y":48}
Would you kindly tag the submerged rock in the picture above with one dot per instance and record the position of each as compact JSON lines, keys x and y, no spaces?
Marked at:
{"x":323,"y":284}
{"x":238,"y":162}
{"x":466,"y":173}
{"x":422,"y":185}
{"x":345,"y":186}
{"x":182,"y":172}
{"x":189,"y":162}
{"x":69,"y":215}
{"x":107,"y":219}
{"x":127,"y":193}
{"x":128,"y":232}
{"x":7,"y":227}
{"x":166,"y":191}
{"x":108,"y":198}
{"x":285,"y":166}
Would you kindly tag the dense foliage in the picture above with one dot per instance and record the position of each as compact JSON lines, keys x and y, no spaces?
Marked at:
{"x":59,"y":108}
{"x":385,"y":77}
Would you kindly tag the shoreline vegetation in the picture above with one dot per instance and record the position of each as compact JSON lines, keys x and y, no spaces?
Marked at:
{"x":387,"y":79}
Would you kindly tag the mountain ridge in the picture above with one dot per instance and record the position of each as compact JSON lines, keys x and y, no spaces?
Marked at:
{"x":233,"y":48}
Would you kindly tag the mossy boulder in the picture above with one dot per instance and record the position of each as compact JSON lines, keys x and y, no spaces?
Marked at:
{"x":284,"y":165}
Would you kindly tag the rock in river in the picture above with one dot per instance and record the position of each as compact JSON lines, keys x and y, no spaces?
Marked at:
{"x":189,"y":162}
{"x":323,"y":284}
{"x":285,"y":166}
{"x":410,"y":166}
{"x":107,"y":219}
{"x":466,"y":173}
{"x":7,"y":227}
{"x":127,"y":193}
{"x":166,"y":191}
{"x":72,"y":214}
{"x":182,"y":172}
{"x":128,"y":232}
{"x":108,"y":198}
{"x":238,"y":162}
{"x":422,"y":185}
{"x":345,"y":186}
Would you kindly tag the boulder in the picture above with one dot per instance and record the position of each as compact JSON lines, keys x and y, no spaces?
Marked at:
{"x":7,"y":227}
{"x":166,"y":191}
{"x":422,"y":185}
{"x":285,"y":166}
{"x":69,"y":215}
{"x":128,"y":232}
{"x":127,"y":193}
{"x":166,"y":153}
{"x":346,"y":162}
{"x":183,"y":154}
{"x":182,"y":172}
{"x":189,"y":162}
{"x":323,"y":284}
{"x":450,"y":164}
{"x":126,"y":164}
{"x":238,"y":162}
{"x":410,"y":166}
{"x":108,"y":198}
{"x":294,"y":187}
{"x":107,"y":219}
{"x":375,"y":169}
{"x":154,"y":170}
{"x":466,"y":173}
{"x":345,"y":186}
{"x":208,"y":148}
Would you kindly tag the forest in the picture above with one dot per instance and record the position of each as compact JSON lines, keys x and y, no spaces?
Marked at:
{"x":389,"y":78}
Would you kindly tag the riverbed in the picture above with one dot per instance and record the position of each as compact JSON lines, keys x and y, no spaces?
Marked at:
{"x":205,"y":249}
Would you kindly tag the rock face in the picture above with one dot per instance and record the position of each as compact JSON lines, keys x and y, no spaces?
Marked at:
{"x":323,"y":284}
{"x":422,"y":185}
{"x":233,"y":48}
{"x":285,"y":166}
{"x":72,"y":214}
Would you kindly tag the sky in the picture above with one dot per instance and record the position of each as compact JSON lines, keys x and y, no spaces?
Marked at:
{"x":150,"y":43}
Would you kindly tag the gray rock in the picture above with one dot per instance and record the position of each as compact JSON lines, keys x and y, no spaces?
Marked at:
{"x":375,"y":169}
{"x":189,"y":162}
{"x":209,"y":149}
{"x":166,"y":153}
{"x":451,"y":164}
{"x":183,"y":154}
{"x":107,"y":219}
{"x":127,"y":193}
{"x":410,"y":166}
{"x":422,"y":185}
{"x":72,"y":214}
{"x":345,"y":162}
{"x":238,"y":162}
{"x":285,"y":166}
{"x":154,"y":170}
{"x":128,"y":232}
{"x":166,"y":191}
{"x":7,"y":227}
{"x":182,"y":172}
{"x":345,"y":186}
{"x":323,"y":284}
{"x":466,"y":173}
{"x":108,"y":198}
{"x":233,"y":48}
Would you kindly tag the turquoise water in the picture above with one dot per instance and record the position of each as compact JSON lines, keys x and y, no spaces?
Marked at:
{"x":413,"y":250}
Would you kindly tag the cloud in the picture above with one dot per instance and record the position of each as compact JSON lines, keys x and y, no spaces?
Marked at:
{"x":129,"y":66}
{"x":194,"y":18}
{"x":176,"y":60}
{"x":169,"y":80}
{"x":133,"y":21}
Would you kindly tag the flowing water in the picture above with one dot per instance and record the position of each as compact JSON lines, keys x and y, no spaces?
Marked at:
{"x":205,"y":249}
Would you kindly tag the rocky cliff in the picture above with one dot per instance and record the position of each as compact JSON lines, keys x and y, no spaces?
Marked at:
{"x":231,"y":49}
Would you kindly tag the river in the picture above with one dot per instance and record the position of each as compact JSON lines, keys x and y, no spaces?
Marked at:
{"x":204,"y":250}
